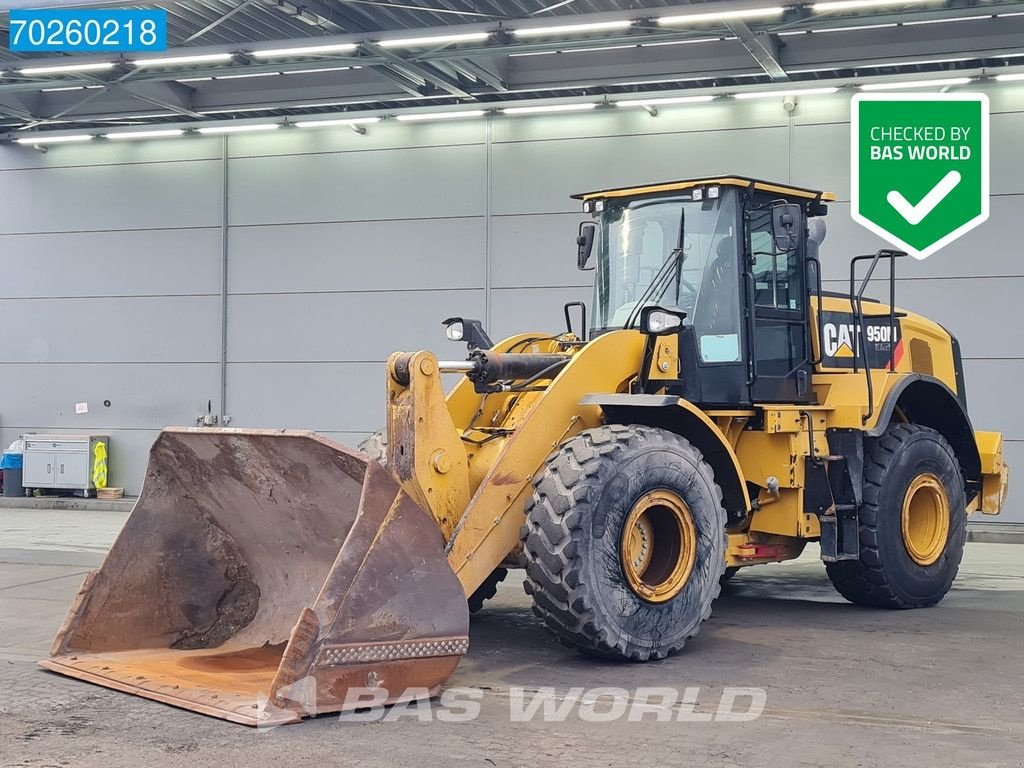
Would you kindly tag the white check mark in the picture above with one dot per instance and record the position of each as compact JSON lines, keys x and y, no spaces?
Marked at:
{"x":915,"y":214}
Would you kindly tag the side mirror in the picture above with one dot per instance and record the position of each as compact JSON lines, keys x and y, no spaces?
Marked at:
{"x":787,"y":224}
{"x":585,"y":243}
{"x":655,"y":321}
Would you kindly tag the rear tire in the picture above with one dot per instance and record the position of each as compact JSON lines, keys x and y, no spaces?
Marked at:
{"x":625,"y":542}
{"x":913,"y":522}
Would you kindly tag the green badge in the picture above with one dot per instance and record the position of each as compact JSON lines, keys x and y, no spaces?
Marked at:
{"x":919,"y":167}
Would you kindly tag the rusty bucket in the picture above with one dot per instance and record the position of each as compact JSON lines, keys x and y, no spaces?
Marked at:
{"x":264,"y":576}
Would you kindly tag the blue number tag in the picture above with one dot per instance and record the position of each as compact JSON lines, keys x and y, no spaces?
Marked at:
{"x":72,"y":30}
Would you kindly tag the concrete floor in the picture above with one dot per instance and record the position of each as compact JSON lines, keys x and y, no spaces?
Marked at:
{"x":845,"y":686}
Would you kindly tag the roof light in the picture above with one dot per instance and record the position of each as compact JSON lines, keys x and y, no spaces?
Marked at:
{"x":245,"y":74}
{"x":420,"y":42}
{"x":906,"y":85}
{"x":781,"y":94}
{"x":657,"y":102}
{"x":947,"y":21}
{"x":548,"y":108}
{"x":706,"y":18}
{"x":173,"y":61}
{"x":95,"y":66}
{"x":414,"y":116}
{"x":1010,"y":77}
{"x":572,"y":29}
{"x":161,"y":134}
{"x":44,"y":139}
{"x":248,"y":127}
{"x":340,"y":121}
{"x":306,"y":50}
{"x":853,"y":5}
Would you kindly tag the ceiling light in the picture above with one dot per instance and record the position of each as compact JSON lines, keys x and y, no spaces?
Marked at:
{"x":413,"y":116}
{"x":317,"y":70}
{"x":161,"y":134}
{"x":1010,"y":78}
{"x":307,"y":50}
{"x":915,"y":84}
{"x":239,"y":128}
{"x":683,"y":42}
{"x":247,"y":74}
{"x":171,"y":61}
{"x":947,"y":21}
{"x":548,"y":108}
{"x":705,"y":18}
{"x":418,"y":42}
{"x":853,"y":5}
{"x":781,"y":94}
{"x":43,"y":139}
{"x":656,"y":102}
{"x":93,"y":67}
{"x":71,"y":88}
{"x":572,"y":29}
{"x":341,"y":121}
{"x":857,"y":28}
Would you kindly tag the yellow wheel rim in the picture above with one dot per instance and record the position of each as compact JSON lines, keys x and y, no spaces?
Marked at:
{"x":925,"y":519}
{"x":659,"y":546}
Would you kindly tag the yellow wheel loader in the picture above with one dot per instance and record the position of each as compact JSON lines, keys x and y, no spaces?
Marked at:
{"x":719,"y":410}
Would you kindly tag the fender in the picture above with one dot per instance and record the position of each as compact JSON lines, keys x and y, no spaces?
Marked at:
{"x":684,"y":418}
{"x":927,"y":401}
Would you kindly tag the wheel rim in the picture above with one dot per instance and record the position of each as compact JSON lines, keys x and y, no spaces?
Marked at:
{"x":925,"y":519}
{"x":659,"y":546}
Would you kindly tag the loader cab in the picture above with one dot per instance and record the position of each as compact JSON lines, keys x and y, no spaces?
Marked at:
{"x":727,"y":254}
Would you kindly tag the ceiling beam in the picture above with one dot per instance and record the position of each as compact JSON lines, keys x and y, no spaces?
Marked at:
{"x":429,"y":74}
{"x":764,"y":49}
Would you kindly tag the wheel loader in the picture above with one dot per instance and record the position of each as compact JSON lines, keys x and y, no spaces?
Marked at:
{"x":719,"y":410}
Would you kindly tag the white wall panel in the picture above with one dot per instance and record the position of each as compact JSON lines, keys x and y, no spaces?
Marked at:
{"x":101,"y":197}
{"x":124,"y":263}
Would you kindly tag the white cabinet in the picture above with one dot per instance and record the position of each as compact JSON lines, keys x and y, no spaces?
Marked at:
{"x":61,"y":461}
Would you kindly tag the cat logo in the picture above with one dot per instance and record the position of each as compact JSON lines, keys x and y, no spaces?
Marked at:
{"x":844,"y":343}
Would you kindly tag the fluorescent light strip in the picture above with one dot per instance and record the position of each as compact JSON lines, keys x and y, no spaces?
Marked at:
{"x":54,"y":139}
{"x":780,"y":94}
{"x":215,"y":129}
{"x":705,"y":18}
{"x":420,"y":42}
{"x":572,"y":29}
{"x":71,"y":88}
{"x":317,"y":71}
{"x":161,"y":134}
{"x":1011,"y":77}
{"x":658,"y":101}
{"x":252,"y":74}
{"x":542,"y":108}
{"x":417,"y":116}
{"x":947,"y":21}
{"x":341,"y":121}
{"x":193,"y":79}
{"x":173,"y":61}
{"x":683,"y":42}
{"x":853,"y":5}
{"x":94,"y":67}
{"x":307,"y":50}
{"x":906,"y":85}
{"x":856,"y":28}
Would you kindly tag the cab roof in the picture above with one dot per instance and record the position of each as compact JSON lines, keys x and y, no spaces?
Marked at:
{"x":730,"y":180}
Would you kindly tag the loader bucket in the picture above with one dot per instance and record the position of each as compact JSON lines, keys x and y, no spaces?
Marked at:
{"x":264,"y":576}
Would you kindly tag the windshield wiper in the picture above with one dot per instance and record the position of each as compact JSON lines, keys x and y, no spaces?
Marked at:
{"x":663,"y":275}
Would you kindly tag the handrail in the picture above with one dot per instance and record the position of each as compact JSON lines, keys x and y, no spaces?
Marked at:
{"x":857,"y":305}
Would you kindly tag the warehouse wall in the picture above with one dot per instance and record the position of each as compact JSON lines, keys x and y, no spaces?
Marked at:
{"x":341,"y":248}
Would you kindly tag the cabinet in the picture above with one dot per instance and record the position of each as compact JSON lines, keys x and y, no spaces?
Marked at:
{"x":61,"y":461}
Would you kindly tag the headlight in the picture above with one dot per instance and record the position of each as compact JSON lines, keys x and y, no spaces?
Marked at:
{"x":657,"y":321}
{"x":454,"y":331}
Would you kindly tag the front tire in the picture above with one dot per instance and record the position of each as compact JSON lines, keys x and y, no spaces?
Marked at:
{"x":913,"y":522}
{"x":625,"y":542}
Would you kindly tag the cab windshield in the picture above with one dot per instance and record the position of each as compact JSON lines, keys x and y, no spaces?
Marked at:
{"x":637,"y":238}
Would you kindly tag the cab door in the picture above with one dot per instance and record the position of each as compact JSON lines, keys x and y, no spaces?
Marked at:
{"x":779,"y":369}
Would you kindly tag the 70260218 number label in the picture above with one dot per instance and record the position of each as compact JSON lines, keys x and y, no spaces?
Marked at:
{"x":71,"y":30}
